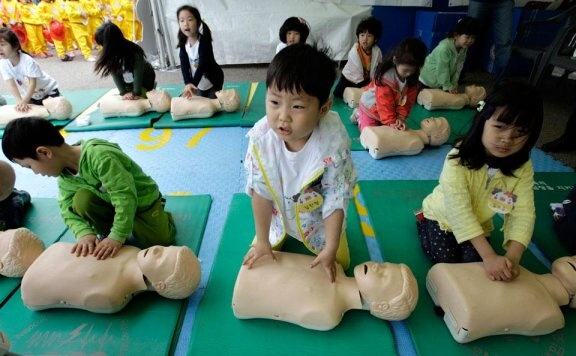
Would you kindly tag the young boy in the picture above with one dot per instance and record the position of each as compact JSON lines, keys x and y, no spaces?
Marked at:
{"x":299,"y":169}
{"x":101,"y":190}
{"x":363,"y":58}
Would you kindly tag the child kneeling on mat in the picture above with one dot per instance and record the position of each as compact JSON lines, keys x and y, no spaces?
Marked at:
{"x":488,"y":172}
{"x":102,"y":191}
{"x":299,"y":168}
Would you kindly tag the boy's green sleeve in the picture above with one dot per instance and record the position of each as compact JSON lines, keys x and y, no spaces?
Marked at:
{"x":77,"y":224}
{"x":111,"y":169}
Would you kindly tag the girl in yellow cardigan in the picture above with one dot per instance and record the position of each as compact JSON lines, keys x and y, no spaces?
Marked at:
{"x":488,"y":172}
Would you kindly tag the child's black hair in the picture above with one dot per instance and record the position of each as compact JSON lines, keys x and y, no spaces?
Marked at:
{"x":297,"y":24}
{"x":302,"y":67}
{"x":9,"y":36}
{"x":206,"y":34}
{"x":410,"y":51}
{"x":466,"y":26}
{"x":523,"y":108}
{"x":24,"y":135}
{"x":371,"y":25}
{"x":118,"y":54}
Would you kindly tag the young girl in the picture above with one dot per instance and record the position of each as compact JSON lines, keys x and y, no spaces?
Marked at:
{"x":26,"y":81}
{"x":202,"y":75}
{"x":125,"y":61}
{"x":293,"y":30}
{"x":488,"y":172}
{"x":387,"y":100}
{"x":363,"y":57}
{"x":443,"y":66}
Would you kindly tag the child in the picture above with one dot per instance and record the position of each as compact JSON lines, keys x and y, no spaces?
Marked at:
{"x":363,"y":58}
{"x":488,"y":172}
{"x":51,"y":11}
{"x":443,"y":66}
{"x":26,"y":81}
{"x":299,"y":169}
{"x":32,"y":20}
{"x":77,"y":15}
{"x":202,"y":75}
{"x":387,"y":100}
{"x":101,"y":190}
{"x":13,"y":202}
{"x":125,"y":61}
{"x":294,"y":30}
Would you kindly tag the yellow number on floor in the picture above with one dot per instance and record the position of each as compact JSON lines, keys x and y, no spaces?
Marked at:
{"x":156,"y":139}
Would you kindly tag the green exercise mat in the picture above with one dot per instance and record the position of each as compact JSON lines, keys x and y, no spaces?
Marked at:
{"x":391,"y":206}
{"x":345,"y":112}
{"x":550,"y":187}
{"x":223,"y":119}
{"x":43,"y":218}
{"x":147,"y":326}
{"x":217,"y":332}
{"x":459,"y":120}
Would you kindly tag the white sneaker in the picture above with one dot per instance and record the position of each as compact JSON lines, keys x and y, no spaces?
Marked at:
{"x":572,"y":76}
{"x":91,"y":59}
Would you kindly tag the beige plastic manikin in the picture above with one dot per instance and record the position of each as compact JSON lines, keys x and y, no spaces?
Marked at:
{"x":19,"y":248}
{"x":435,"y":99}
{"x":384,"y":141}
{"x":200,"y":107}
{"x":114,"y":105}
{"x":287,"y":289}
{"x":7,"y":180}
{"x":59,"y":279}
{"x":476,"y":306}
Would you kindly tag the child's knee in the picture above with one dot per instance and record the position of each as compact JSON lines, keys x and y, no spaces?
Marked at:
{"x":82,"y":201}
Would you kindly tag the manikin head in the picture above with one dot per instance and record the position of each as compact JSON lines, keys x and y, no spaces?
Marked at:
{"x":564,"y":269}
{"x":18,"y":249}
{"x":58,"y":107}
{"x":229,"y":99}
{"x":173,"y":271}
{"x":7,"y":180}
{"x":437,"y":129}
{"x":159,"y":100}
{"x":389,"y":289}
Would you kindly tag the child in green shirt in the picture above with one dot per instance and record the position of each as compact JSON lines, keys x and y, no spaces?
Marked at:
{"x":102,"y":191}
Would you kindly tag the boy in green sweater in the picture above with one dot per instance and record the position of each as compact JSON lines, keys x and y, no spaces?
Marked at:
{"x":101,"y":190}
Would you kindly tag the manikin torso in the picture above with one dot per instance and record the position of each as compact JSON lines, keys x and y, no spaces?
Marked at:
{"x":196,"y":107}
{"x":59,"y":279}
{"x":305,"y":294}
{"x":476,"y":307}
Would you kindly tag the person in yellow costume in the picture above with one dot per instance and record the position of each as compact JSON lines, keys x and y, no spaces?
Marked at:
{"x":78,"y":18}
{"x":69,"y":36}
{"x":10,"y":14}
{"x":30,"y":17}
{"x":51,"y":10}
{"x":94,"y":9}
{"x":124,"y":16}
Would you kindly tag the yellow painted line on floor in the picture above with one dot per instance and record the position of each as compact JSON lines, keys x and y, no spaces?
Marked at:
{"x":179,"y":194}
{"x":64,"y":133}
{"x":367,"y":229}
{"x":195,"y":140}
{"x":365,"y":225}
{"x":251,"y":92}
{"x":157,"y":139}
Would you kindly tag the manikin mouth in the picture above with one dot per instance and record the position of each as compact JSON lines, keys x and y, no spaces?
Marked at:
{"x":145,"y":252}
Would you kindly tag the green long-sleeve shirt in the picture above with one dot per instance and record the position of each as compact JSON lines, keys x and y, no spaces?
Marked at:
{"x":443,"y":66}
{"x":114,"y":177}
{"x":144,"y":78}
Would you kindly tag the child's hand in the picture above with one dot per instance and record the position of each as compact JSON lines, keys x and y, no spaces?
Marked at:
{"x":453,"y":91}
{"x":107,"y":248}
{"x":328,"y":261}
{"x":84,"y":246}
{"x":515,"y":261}
{"x":130,"y":96}
{"x":498,"y":268}
{"x":22,"y":106}
{"x":255,"y":252}
{"x":189,"y":91}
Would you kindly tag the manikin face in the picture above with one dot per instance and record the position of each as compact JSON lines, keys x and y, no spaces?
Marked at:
{"x":464,"y":41}
{"x":7,"y":51}
{"x":158,"y":262}
{"x":45,"y":164}
{"x":436,"y":128}
{"x":292,"y":37}
{"x":293,"y":116}
{"x":188,"y":23}
{"x":379,"y":281}
{"x":500,"y":139}
{"x":564,"y":269}
{"x":229,"y":99}
{"x":366,"y":41}
{"x":405,"y":70}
